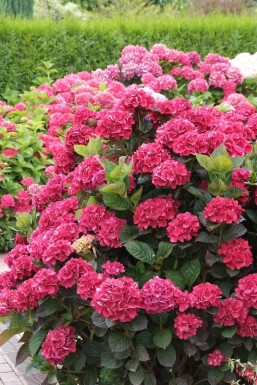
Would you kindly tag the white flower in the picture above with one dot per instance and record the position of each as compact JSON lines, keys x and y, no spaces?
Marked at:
{"x":246,"y":63}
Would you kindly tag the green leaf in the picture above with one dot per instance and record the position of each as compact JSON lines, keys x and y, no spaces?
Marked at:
{"x":150,"y":379}
{"x":118,"y":187}
{"x":6,"y":335}
{"x":47,"y":307}
{"x":23,"y":221}
{"x":36,"y":341}
{"x":221,"y":150}
{"x":237,"y":161}
{"x":164,"y":249}
{"x":91,"y":376}
{"x":252,"y":215}
{"x":177,"y":278}
{"x":217,"y":187}
{"x":221,"y":165}
{"x":80,"y":361}
{"x":206,"y":238}
{"x":215,"y":375}
{"x":142,"y":353}
{"x":94,"y":147}
{"x":145,"y":338}
{"x":132,"y":365}
{"x":190,"y":271}
{"x":22,"y":354}
{"x":233,"y":231}
{"x":140,"y":251}
{"x":120,"y":171}
{"x":128,"y":233}
{"x":204,"y":161}
{"x":162,"y":338}
{"x":108,"y":168}
{"x":229,"y":332}
{"x":115,"y":201}
{"x":166,"y":357}
{"x":139,"y":323}
{"x":98,"y":320}
{"x":118,"y":342}
{"x":137,"y":377}
{"x":135,"y":198}
{"x":108,"y":361}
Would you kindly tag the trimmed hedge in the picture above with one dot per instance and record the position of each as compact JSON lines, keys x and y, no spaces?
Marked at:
{"x":74,"y":46}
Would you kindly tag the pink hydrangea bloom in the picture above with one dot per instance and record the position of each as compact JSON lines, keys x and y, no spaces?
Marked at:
{"x":69,"y":274}
{"x":216,"y":358}
{"x":148,"y":156}
{"x":161,"y":295}
{"x":205,"y":295}
{"x":183,"y":227}
{"x":231,"y":311}
{"x":236,"y":253}
{"x":7,"y":201}
{"x":186,"y":325}
{"x":88,"y":284}
{"x":59,"y":343}
{"x":246,"y":290}
{"x":170,"y":174}
{"x":118,"y":299}
{"x":155,"y":212}
{"x":220,"y":210}
{"x":113,"y":268}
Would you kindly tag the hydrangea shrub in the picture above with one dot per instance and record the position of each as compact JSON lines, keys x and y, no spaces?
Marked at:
{"x":141,"y":268}
{"x":22,"y":157}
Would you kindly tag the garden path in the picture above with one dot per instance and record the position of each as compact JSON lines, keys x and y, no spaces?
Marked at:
{"x":9,"y":373}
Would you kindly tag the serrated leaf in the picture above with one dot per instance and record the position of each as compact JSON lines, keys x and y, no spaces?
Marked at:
{"x":206,"y":238}
{"x":221,"y":150}
{"x":221,"y":165}
{"x":252,"y":215}
{"x":118,"y":342}
{"x":139,"y":323}
{"x":132,"y":365}
{"x":5,"y":336}
{"x":150,"y":379}
{"x":217,"y":187}
{"x":215,"y":375}
{"x":98,"y":320}
{"x":115,"y":201}
{"x":118,"y":188}
{"x":137,"y":377}
{"x":36,"y":341}
{"x":135,"y":198}
{"x":177,"y":278}
{"x":145,"y":338}
{"x":94,"y":147}
{"x":166,"y":357}
{"x":190,"y":271}
{"x":233,"y":231}
{"x":164,"y":249}
{"x":128,"y":233}
{"x":108,"y":361}
{"x":229,"y":332}
{"x":204,"y":161}
{"x":162,"y":338}
{"x":23,"y":221}
{"x":140,"y":251}
{"x":47,"y":307}
{"x":142,"y":353}
{"x":80,"y":361}
{"x":22,"y":354}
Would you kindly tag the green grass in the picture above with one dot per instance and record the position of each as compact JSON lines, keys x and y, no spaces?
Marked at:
{"x":74,"y":45}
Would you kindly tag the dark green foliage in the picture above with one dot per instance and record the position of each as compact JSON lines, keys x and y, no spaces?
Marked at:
{"x":76,"y":46}
{"x":22,"y":8}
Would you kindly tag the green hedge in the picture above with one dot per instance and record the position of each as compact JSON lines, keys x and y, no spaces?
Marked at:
{"x":74,"y":46}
